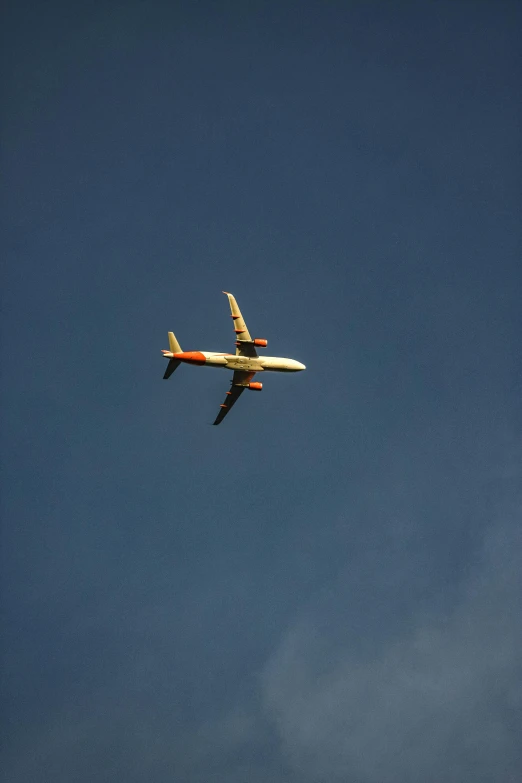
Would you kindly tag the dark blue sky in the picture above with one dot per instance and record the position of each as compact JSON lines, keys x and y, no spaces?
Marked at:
{"x":327,"y":586}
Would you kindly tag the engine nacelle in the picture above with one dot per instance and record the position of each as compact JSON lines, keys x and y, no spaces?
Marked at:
{"x":255,"y":386}
{"x":261,"y":343}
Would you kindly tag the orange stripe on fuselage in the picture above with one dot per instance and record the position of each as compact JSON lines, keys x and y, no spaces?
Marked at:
{"x":192,"y":357}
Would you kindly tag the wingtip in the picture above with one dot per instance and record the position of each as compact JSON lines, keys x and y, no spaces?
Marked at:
{"x":227,"y":293}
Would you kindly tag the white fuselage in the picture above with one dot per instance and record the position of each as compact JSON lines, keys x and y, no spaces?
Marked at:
{"x":252,"y":363}
{"x":229,"y":361}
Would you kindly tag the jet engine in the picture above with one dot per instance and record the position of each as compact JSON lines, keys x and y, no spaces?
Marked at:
{"x":255,"y":386}
{"x":261,"y":343}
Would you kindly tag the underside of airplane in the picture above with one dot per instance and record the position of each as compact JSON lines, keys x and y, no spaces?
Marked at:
{"x":244,"y":363}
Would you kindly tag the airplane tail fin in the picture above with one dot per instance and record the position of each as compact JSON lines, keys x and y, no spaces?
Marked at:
{"x":173,"y":364}
{"x":175,"y":347}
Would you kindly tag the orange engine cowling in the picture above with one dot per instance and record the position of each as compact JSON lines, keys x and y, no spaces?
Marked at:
{"x":255,"y":386}
{"x":260,"y":342}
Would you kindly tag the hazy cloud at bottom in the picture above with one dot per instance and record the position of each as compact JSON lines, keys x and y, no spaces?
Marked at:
{"x":440,"y":701}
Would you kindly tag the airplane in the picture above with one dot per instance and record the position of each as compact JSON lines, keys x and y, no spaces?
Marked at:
{"x":245,"y":362}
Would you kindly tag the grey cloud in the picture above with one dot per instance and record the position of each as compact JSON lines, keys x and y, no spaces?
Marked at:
{"x":441,"y":703}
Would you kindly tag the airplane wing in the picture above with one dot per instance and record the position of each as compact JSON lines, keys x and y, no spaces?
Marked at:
{"x":240,"y":328}
{"x":242,"y":378}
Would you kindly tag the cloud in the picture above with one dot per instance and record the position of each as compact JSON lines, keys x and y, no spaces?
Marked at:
{"x":441,"y":702}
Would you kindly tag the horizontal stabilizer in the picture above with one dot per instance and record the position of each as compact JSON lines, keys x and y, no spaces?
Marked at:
{"x":171,"y":366}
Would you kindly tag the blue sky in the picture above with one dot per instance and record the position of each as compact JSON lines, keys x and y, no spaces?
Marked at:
{"x":327,"y":586}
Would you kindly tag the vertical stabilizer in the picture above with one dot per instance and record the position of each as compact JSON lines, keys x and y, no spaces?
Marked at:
{"x":175,"y":347}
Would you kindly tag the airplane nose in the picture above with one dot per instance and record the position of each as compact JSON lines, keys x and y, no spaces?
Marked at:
{"x":301,"y":366}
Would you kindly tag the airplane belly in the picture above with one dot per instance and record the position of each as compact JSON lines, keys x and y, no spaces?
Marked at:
{"x":279,"y":364}
{"x":216,"y":359}
{"x":243,"y":364}
{"x":274,"y":363}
